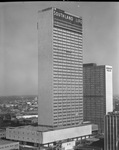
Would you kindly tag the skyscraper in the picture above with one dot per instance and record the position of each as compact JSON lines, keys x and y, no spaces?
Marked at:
{"x":111,"y":131}
{"x":60,"y":69}
{"x":97,"y":91}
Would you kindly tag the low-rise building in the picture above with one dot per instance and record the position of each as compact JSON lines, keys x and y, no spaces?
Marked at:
{"x":2,"y":133}
{"x":9,"y":145}
{"x":44,"y":135}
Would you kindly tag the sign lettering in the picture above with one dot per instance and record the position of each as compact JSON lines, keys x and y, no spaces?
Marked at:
{"x":109,"y":69}
{"x":66,"y":17}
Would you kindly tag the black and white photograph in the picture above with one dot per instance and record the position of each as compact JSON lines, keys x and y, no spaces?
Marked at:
{"x":59,"y":75}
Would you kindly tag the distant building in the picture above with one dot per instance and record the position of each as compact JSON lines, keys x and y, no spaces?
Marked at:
{"x":9,"y":145}
{"x":116,"y":105}
{"x":60,"y":75}
{"x":97,"y":93}
{"x":2,"y":133}
{"x":111,"y":131}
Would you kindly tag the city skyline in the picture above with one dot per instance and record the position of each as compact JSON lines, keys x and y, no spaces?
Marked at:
{"x":19,"y":44}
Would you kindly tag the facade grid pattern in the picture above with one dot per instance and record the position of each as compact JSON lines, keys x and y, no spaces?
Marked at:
{"x":94,"y":95}
{"x":60,"y":69}
{"x":67,"y":74}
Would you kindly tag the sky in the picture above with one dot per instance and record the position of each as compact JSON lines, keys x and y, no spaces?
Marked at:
{"x":19,"y":41}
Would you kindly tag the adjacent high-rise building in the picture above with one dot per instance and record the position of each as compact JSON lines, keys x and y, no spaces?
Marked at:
{"x":111,"y":131}
{"x":97,"y":93}
{"x":60,"y":75}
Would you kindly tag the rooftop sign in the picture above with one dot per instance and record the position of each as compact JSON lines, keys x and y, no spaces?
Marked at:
{"x":109,"y":69}
{"x":60,"y":14}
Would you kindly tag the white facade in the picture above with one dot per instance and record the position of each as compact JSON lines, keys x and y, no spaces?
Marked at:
{"x":63,"y":134}
{"x":109,"y":89}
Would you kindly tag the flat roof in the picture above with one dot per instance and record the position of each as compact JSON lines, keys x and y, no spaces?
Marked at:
{"x":45,"y":128}
{"x":89,"y":64}
{"x":95,"y":65}
{"x":33,"y":128}
{"x":114,"y":113}
{"x":3,"y":142}
{"x":49,"y":8}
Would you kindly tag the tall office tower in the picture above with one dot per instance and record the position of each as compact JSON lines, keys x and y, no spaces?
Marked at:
{"x":97,"y":92}
{"x":111,"y":131}
{"x":60,"y":78}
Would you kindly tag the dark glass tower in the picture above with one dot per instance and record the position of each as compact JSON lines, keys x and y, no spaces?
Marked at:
{"x":97,"y":93}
